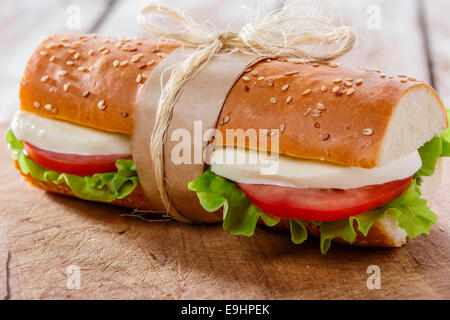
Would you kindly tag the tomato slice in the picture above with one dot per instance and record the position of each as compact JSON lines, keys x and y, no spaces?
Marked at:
{"x":73,"y":163}
{"x":322,"y":204}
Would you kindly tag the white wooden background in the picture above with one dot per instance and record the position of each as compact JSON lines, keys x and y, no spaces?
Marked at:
{"x":401,"y":36}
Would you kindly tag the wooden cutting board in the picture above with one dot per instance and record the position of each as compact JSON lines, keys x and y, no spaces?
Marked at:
{"x":44,"y":238}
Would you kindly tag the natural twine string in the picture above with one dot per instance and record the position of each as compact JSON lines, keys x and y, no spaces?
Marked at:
{"x":281,"y":33}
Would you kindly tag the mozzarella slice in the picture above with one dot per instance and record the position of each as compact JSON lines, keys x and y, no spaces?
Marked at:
{"x":64,"y":137}
{"x":251,"y":167}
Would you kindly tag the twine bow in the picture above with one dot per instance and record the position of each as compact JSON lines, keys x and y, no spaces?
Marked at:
{"x":281,"y":33}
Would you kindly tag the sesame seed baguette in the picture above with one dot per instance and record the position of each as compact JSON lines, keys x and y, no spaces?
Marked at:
{"x":358,"y":118}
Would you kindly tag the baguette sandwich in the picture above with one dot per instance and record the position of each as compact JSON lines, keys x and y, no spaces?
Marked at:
{"x":359,"y":151}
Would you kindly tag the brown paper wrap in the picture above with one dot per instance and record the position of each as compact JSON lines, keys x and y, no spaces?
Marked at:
{"x":202,"y":99}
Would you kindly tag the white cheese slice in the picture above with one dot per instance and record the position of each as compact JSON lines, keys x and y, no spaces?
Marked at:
{"x":65,"y":137}
{"x":251,"y":167}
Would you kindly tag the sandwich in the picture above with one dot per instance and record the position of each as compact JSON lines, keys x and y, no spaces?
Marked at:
{"x":359,"y":151}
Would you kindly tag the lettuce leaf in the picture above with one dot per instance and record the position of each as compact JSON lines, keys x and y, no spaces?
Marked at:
{"x":104,"y":187}
{"x":445,"y":136}
{"x":239,"y":214}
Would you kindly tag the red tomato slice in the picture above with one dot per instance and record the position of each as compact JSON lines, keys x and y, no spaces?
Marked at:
{"x":73,"y":163}
{"x":322,"y":204}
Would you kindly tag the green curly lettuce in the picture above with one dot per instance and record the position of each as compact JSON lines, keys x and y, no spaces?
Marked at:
{"x":240,"y":216}
{"x":104,"y":187}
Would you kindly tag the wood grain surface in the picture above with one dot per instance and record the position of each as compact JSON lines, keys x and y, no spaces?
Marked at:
{"x":124,"y":257}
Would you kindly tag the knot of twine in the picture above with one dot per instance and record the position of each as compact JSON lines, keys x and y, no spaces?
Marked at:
{"x":281,"y":33}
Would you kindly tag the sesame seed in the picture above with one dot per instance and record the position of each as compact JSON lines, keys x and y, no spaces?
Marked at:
{"x":83,"y":69}
{"x":64,"y":39}
{"x":404,"y":80}
{"x":391,"y":77}
{"x":285,"y":87}
{"x":349,"y":79}
{"x":307,"y":92}
{"x":70,"y":63}
{"x":336,"y":89}
{"x":151,"y":62}
{"x":226,"y":119}
{"x":62,"y":73}
{"x":321,"y":106}
{"x":142,"y":66}
{"x":289,"y":99}
{"x":66,"y":87}
{"x":159,"y":54}
{"x":124,"y":63}
{"x":333,"y":65}
{"x":339,"y":93}
{"x":324,"y":88}
{"x":402,"y":76}
{"x":367,"y":132}
{"x":48,"y":107}
{"x":350,"y":91}
{"x":106,"y":51}
{"x":23,"y":82}
{"x":52,"y":58}
{"x":382,"y":76}
{"x":101,"y":105}
{"x":290,"y":73}
{"x":359,"y":82}
{"x":76,"y":43}
{"x":91,"y":52}
{"x":119,"y":44}
{"x":36,"y":104}
{"x":76,"y":55}
{"x":317,"y":125}
{"x":260,"y":78}
{"x":51,"y":45}
{"x":315,"y":113}
{"x":124,"y":114}
{"x":45,"y":78}
{"x":315,"y":65}
{"x":348,"y":84}
{"x":101,"y":49}
{"x":248,"y":70}
{"x":139,"y":43}
{"x":245,"y":78}
{"x":273,"y":100}
{"x":282,"y":127}
{"x":307,"y":112}
{"x":270,"y":83}
{"x":337,"y":80}
{"x":44,"y":53}
{"x":155,"y":50}
{"x":54,"y":110}
{"x":411,"y":79}
{"x":254,"y":72}
{"x":273,"y":133}
{"x":325,"y":137}
{"x":327,"y":152}
{"x":135,"y":58}
{"x":139,"y":78}
{"x":116,"y":63}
